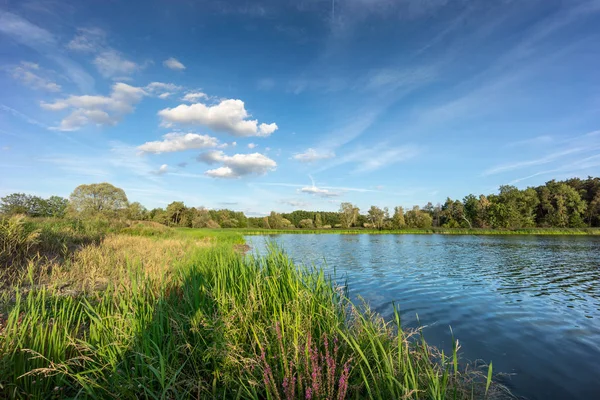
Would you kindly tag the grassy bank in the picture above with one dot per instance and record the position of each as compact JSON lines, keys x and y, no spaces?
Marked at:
{"x":440,"y":231}
{"x":181,"y":314}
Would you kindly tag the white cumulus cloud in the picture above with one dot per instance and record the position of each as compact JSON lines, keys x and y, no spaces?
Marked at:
{"x":175,"y":141}
{"x":252,"y":145}
{"x":173,"y":63}
{"x":228,"y":116}
{"x":237,"y":165}
{"x":312,"y":155}
{"x":99,"y":110}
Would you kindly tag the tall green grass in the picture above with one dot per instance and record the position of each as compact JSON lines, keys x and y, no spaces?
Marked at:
{"x":218,"y":325}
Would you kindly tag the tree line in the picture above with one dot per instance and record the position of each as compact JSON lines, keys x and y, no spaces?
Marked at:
{"x":573,"y":203}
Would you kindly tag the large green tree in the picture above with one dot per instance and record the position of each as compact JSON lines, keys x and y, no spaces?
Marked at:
{"x":348,"y":214}
{"x":98,"y":199}
{"x":377,"y":217}
{"x":416,"y":218}
{"x":398,"y":221}
{"x":175,"y":212}
{"x":561,"y":206}
{"x":15,"y":203}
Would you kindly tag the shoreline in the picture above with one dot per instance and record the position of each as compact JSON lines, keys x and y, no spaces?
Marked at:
{"x":434,"y":231}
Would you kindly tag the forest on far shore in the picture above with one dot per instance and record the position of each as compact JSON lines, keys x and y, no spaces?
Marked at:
{"x":573,"y":203}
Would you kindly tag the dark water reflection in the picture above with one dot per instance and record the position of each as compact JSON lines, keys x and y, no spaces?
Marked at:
{"x":531,"y":304}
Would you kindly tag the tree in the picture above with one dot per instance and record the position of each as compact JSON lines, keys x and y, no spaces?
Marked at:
{"x":136,"y":211}
{"x":16,"y":203}
{"x":376,"y":217}
{"x":229,"y":223}
{"x":318,"y":221}
{"x":416,"y":218}
{"x":306,"y":223}
{"x":56,"y":206}
{"x":175,"y":212}
{"x":398,"y":218}
{"x":348,"y":214}
{"x":593,"y":209}
{"x":97,"y":199}
{"x":561,"y":205}
{"x":513,"y":208}
{"x":276,"y":221}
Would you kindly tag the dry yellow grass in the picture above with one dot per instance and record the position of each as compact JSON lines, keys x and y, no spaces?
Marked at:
{"x":114,"y":261}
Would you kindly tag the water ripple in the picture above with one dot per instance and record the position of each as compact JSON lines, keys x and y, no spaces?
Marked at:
{"x":531,"y":304}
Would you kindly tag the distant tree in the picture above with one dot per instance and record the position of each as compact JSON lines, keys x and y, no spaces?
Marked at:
{"x":187,"y":217}
{"x":593,"y":209}
{"x":230,"y":223}
{"x":470,"y":205}
{"x":348,"y":214}
{"x":513,"y":208}
{"x":136,"y":211}
{"x":306,"y":224}
{"x":453,"y":215}
{"x":416,"y":218}
{"x":318,"y":221}
{"x":16,"y":203}
{"x":429,"y":209}
{"x":276,"y":221}
{"x":376,"y":217}
{"x":98,"y":199}
{"x":398,"y":221}
{"x":56,"y":206}
{"x":266,"y":224}
{"x":561,"y":205}
{"x":175,"y":212}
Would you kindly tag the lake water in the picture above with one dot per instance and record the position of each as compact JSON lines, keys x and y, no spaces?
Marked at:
{"x":530,"y":304}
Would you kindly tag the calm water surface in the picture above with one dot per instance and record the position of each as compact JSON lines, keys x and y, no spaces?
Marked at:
{"x":531,"y":304}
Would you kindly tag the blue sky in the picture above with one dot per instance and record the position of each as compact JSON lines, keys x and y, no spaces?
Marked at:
{"x":283,"y":105}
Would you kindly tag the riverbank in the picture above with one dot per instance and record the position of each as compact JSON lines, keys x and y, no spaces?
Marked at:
{"x":431,"y":231}
{"x":161,"y":313}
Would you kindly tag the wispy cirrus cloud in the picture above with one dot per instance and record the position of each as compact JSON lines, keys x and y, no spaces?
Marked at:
{"x":295,"y":203}
{"x":46,"y":44}
{"x":369,"y":159}
{"x":174,"y":64}
{"x":88,"y":40}
{"x":163,"y":169}
{"x":113,"y":64}
{"x":530,"y":163}
{"x":31,"y":74}
{"x":571,"y":169}
{"x":311,"y":155}
{"x":109,"y":62}
{"x":22,"y":116}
